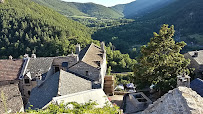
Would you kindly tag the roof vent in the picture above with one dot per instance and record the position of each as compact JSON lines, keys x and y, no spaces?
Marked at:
{"x":10,"y":57}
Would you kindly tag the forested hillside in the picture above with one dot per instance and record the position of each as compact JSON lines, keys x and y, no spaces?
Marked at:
{"x":140,"y":8}
{"x":80,"y":9}
{"x":186,"y":16}
{"x":27,"y":27}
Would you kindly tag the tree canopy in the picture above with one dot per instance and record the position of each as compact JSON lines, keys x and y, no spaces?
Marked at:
{"x":161,"y":61}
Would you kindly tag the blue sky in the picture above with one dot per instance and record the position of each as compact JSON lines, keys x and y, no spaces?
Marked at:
{"x":103,"y":2}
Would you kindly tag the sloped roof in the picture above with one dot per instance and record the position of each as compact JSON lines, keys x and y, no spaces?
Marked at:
{"x":41,"y":64}
{"x":197,"y":85}
{"x":42,"y":95}
{"x":181,"y":100}
{"x":71,"y":83}
{"x":13,"y":99}
{"x":10,"y":69}
{"x":96,"y":95}
{"x":91,"y":54}
{"x":61,"y":83}
{"x":199,"y":58}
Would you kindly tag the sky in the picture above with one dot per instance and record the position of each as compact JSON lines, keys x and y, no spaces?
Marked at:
{"x":103,"y":2}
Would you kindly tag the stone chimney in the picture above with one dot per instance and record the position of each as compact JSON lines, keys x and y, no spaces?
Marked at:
{"x":195,"y":54}
{"x":10,"y":57}
{"x":39,"y":77}
{"x":183,"y":80}
{"x":33,"y":56}
{"x":26,"y":56}
{"x":102,"y":46}
{"x":1,"y":1}
{"x":77,"y":49}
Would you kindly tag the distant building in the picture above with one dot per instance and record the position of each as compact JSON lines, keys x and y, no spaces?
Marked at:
{"x":181,"y":100}
{"x":11,"y":99}
{"x":196,"y":58}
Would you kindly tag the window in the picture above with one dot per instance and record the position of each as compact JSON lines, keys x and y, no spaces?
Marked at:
{"x":86,"y":73}
{"x":28,"y":92}
{"x":27,"y":81}
{"x":56,"y":69}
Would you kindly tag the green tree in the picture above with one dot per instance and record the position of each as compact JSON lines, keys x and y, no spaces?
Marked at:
{"x":161,"y":61}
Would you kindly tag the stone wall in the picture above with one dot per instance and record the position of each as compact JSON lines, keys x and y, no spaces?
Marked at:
{"x":82,"y":68}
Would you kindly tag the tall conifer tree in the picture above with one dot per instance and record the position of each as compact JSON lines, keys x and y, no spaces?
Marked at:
{"x":161,"y":61}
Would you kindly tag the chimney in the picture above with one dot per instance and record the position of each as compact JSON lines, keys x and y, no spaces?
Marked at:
{"x":102,"y":46}
{"x":77,"y":49}
{"x":183,"y":80}
{"x":33,"y":56}
{"x":26,"y":56}
{"x":196,"y":54}
{"x":10,"y":57}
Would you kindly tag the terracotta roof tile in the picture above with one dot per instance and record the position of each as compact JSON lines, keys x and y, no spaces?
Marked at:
{"x":10,"y":69}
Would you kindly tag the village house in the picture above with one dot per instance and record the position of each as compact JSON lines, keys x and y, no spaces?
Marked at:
{"x":10,"y":71}
{"x":196,"y":62}
{"x":88,"y":65}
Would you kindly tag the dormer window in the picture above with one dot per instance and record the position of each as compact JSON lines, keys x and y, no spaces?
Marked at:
{"x":98,"y":63}
{"x":26,"y":81}
{"x":56,"y":69}
{"x":86,"y":73}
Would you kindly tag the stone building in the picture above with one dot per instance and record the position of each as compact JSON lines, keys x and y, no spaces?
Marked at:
{"x":10,"y":71}
{"x":59,"y":84}
{"x":34,"y":73}
{"x":196,"y":58}
{"x":181,"y":100}
{"x":11,"y":98}
{"x":89,"y":64}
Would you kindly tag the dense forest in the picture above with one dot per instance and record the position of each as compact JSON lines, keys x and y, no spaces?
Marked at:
{"x":80,"y":9}
{"x":185,"y":16}
{"x":27,"y":27}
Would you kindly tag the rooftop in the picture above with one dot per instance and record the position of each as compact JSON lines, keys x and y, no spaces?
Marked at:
{"x":61,"y":83}
{"x":39,"y":65}
{"x":96,"y":95}
{"x":10,"y":69}
{"x":199,"y":58}
{"x":197,"y":85}
{"x":181,"y":100}
{"x":91,"y":55}
{"x":12,"y":97}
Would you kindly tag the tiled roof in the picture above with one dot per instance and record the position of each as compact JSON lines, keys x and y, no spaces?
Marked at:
{"x":10,"y":69}
{"x":13,"y":99}
{"x":71,"y":83}
{"x":91,"y":55}
{"x":181,"y":100}
{"x":197,"y":85}
{"x":199,"y":58}
{"x":62,"y":83}
{"x":41,"y":64}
